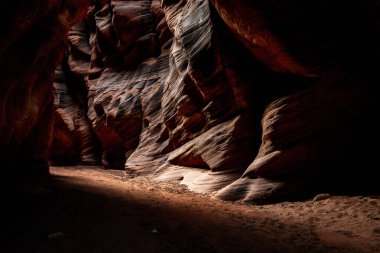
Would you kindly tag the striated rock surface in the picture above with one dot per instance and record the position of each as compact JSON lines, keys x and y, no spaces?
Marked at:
{"x":74,"y":140}
{"x":248,"y":100}
{"x":31,"y":44}
{"x":312,"y":138}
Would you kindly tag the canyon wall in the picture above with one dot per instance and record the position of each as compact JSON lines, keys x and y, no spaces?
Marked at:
{"x":31,"y":44}
{"x":246,"y":100}
{"x":242,"y":99}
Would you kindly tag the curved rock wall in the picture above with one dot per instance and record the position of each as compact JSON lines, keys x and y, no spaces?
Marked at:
{"x":31,"y":46}
{"x":244,"y":99}
{"x":74,"y":140}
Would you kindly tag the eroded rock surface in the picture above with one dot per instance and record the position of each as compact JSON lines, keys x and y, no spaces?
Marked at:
{"x":243,"y":99}
{"x":31,"y":44}
{"x":74,"y":140}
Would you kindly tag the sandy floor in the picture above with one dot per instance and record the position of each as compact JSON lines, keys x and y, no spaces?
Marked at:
{"x":91,"y":210}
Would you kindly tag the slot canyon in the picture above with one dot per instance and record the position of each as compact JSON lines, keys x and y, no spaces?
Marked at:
{"x":189,"y":126}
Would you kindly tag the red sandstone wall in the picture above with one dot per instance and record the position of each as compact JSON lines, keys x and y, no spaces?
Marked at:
{"x":248,"y":100}
{"x":31,"y":46}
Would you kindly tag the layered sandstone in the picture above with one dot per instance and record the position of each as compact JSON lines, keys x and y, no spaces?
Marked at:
{"x":31,"y":46}
{"x":247,"y":100}
{"x":243,"y":99}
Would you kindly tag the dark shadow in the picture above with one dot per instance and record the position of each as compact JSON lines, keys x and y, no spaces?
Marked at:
{"x":68,"y":215}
